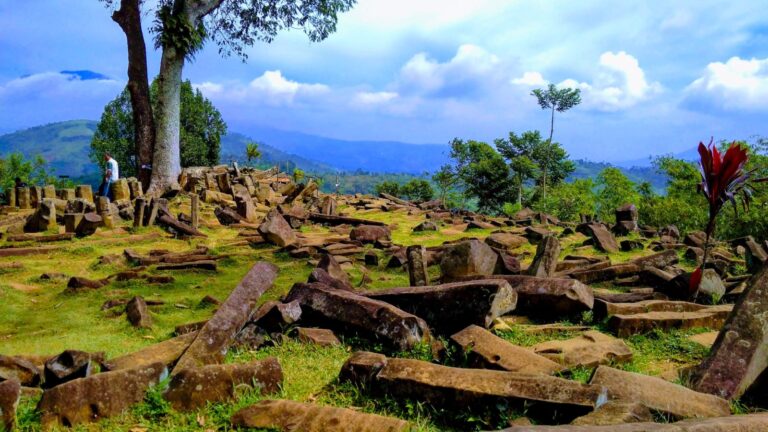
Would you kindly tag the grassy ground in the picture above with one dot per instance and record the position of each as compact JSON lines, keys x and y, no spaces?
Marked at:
{"x":38,"y":318}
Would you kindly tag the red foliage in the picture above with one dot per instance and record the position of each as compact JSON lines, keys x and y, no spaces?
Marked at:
{"x":723,"y":176}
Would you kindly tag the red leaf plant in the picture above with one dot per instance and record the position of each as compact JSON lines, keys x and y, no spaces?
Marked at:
{"x":723,"y":179}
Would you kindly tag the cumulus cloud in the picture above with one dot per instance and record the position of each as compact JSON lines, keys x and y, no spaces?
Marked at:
{"x":468,"y":71}
{"x":737,"y":84}
{"x":619,"y":84}
{"x":270,"y":87}
{"x":374,"y":98}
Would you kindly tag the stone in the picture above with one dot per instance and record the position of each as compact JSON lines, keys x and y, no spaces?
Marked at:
{"x":195,"y":211}
{"x":291,"y":416}
{"x":417,"y":265}
{"x":193,"y":388}
{"x":214,"y":339}
{"x":627,"y":325}
{"x":738,"y":356}
{"x":536,"y":234}
{"x":451,"y":307}
{"x":137,"y":313}
{"x":23,"y":198}
{"x":371,"y":259}
{"x":658,"y":260}
{"x":425,"y":226}
{"x":740,"y":423}
{"x":85,"y":192}
{"x":19,"y":369}
{"x":334,"y":270}
{"x":755,"y":256}
{"x":505,"y":240}
{"x":134,"y":186}
{"x":590,"y":349}
{"x":328,"y":206}
{"x":711,"y":286}
{"x":98,"y":396}
{"x":696,"y":239}
{"x":467,"y":258}
{"x":603,"y":238}
{"x":72,"y":221}
{"x":370,"y":234}
{"x":276,"y":230}
{"x":226,"y":216}
{"x":246,"y":208}
{"x":139,"y":207}
{"x":324,"y":306}
{"x":120,"y":190}
{"x":274,"y":316}
{"x":596,"y":275}
{"x":545,"y":261}
{"x":76,"y":284}
{"x":321,"y":276}
{"x":317,"y":336}
{"x":451,"y":387}
{"x":342,"y":220}
{"x":507,"y":264}
{"x":658,"y":394}
{"x":251,"y":337}
{"x":616,"y":413}
{"x":488,"y":351}
{"x":631,"y":245}
{"x":67,"y":366}
{"x":706,"y":339}
{"x":605,"y":308}
{"x":10,"y":393}
{"x":166,"y":353}
{"x":209,"y":265}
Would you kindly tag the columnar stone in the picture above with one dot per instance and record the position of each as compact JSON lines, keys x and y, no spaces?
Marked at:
{"x":545,"y":261}
{"x":417,"y":265}
{"x":276,"y":230}
{"x":35,"y":196}
{"x":138,"y":314}
{"x":223,"y":180}
{"x":138,"y":212}
{"x":328,"y":206}
{"x":468,"y":258}
{"x":246,"y":208}
{"x":195,"y":211}
{"x":588,"y":350}
{"x":10,"y":392}
{"x":104,"y":210}
{"x":12,"y":197}
{"x":49,"y":191}
{"x":120,"y":190}
{"x":85,"y":192}
{"x":134,"y":186}
{"x":72,"y":221}
{"x":738,"y":356}
{"x":166,"y":353}
{"x":47,"y":215}
{"x":23,"y":198}
{"x":153,"y":207}
{"x":66,"y":194}
{"x":19,"y":369}
{"x":67,"y":366}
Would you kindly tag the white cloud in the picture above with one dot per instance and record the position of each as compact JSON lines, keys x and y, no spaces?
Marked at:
{"x":737,"y":84}
{"x":270,"y":87}
{"x":678,"y":20}
{"x":469,"y":69}
{"x":374,"y":98}
{"x":619,"y":84}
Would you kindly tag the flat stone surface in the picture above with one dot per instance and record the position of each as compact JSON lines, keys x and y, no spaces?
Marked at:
{"x":616,"y":412}
{"x":737,"y":423}
{"x":324,"y":306}
{"x":626,"y":325}
{"x":467,"y":258}
{"x":193,"y":388}
{"x":214,"y":339}
{"x":604,"y":308}
{"x":451,"y":307}
{"x":19,"y":369}
{"x":166,"y":353}
{"x":658,"y":394}
{"x":545,"y":261}
{"x":317,"y":336}
{"x":588,"y":350}
{"x":10,"y":392}
{"x":290,"y":416}
{"x":706,"y":339}
{"x":276,"y":230}
{"x":492,"y":352}
{"x":98,"y":396}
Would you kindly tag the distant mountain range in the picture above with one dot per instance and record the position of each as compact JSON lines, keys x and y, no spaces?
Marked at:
{"x":65,"y":145}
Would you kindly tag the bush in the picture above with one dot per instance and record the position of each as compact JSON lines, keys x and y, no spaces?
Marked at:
{"x":417,"y":190}
{"x":388,"y":187}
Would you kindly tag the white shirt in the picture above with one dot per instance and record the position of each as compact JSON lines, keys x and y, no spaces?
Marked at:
{"x":112,"y":166}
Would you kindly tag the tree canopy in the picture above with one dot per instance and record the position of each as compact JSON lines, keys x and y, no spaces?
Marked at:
{"x":483,"y":173}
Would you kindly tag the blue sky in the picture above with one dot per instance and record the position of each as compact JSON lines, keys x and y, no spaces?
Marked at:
{"x":656,"y":76}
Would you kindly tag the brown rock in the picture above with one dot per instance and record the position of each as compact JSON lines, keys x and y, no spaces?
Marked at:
{"x":545,"y":261}
{"x":214,"y":339}
{"x":324,"y":306}
{"x":137,"y":313}
{"x":492,"y":352}
{"x":604,"y":309}
{"x":370,"y":234}
{"x":191,"y":389}
{"x":276,"y":230}
{"x":209,"y":265}
{"x":67,"y":366}
{"x":334,"y":270}
{"x":10,"y":392}
{"x":658,"y":260}
{"x":468,"y":258}
{"x":740,"y":423}
{"x":317,"y":336}
{"x":658,"y":394}
{"x":166,"y":353}
{"x":417,"y":265}
{"x":626,"y":325}
{"x":588,"y":350}
{"x":19,"y":369}
{"x":603,"y":238}
{"x":505,"y":240}
{"x":274,"y":316}
{"x":95,"y":397}
{"x":596,"y":275}
{"x":616,"y":412}
{"x":290,"y":416}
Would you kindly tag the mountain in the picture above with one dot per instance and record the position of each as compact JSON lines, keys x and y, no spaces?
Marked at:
{"x":371,"y":156}
{"x":233,"y":148}
{"x":692,"y":154}
{"x":638,"y":174}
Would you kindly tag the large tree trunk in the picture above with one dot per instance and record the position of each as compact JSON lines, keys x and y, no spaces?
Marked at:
{"x":128,"y":17}
{"x":166,"y":165}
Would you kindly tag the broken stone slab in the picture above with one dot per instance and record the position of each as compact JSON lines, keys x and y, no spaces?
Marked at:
{"x":334,"y":270}
{"x":417,"y":265}
{"x":214,"y":339}
{"x":323,"y":306}
{"x":706,"y":339}
{"x":451,"y":307}
{"x":711,"y":287}
{"x":137,"y":313}
{"x":505,"y":240}
{"x":658,"y":394}
{"x":545,"y":261}
{"x":740,"y":423}
{"x":68,"y":366}
{"x":274,"y":316}
{"x":603,"y":239}
{"x":10,"y":393}
{"x":489,"y":351}
{"x":468,"y":258}
{"x":341,"y":220}
{"x":319,"y":275}
{"x":616,"y":413}
{"x":444,"y":386}
{"x":209,"y":265}
{"x":19,"y":369}
{"x":98,"y":396}
{"x":370,"y":234}
{"x":276,"y":230}
{"x":738,"y":356}
{"x":291,"y":416}
{"x":627,"y":325}
{"x":659,"y":260}
{"x":317,"y":336}
{"x":606,"y":274}
{"x":193,"y":388}
{"x":166,"y":353}
{"x":548,"y":297}
{"x":604,"y":309}
{"x":590,"y":349}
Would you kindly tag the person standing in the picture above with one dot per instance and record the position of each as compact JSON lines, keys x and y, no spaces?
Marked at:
{"x":111,"y":175}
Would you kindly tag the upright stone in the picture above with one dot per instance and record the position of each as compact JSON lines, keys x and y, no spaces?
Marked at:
{"x":223,"y":181}
{"x":276,"y":230}
{"x":47,"y":215}
{"x":12,"y":202}
{"x":35,"y":196}
{"x":150,"y":213}
{"x":66,"y":194}
{"x":328,"y":206}
{"x":85,"y":192}
{"x":468,"y":258}
{"x":23,"y":198}
{"x":603,"y":238}
{"x":49,"y":191}
{"x":545,"y":261}
{"x":137,"y":313}
{"x":216,"y":336}
{"x":104,"y":209}
{"x":417,"y":265}
{"x":10,"y":392}
{"x":138,"y":212}
{"x":134,"y":186}
{"x":120,"y":190}
{"x":72,"y":221}
{"x":246,"y":209}
{"x":740,"y":353}
{"x":195,"y":210}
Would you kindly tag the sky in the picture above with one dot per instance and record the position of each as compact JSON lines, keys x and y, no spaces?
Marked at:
{"x":656,"y":77}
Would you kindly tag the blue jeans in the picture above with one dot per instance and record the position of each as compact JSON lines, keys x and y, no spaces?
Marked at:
{"x":106,"y":188}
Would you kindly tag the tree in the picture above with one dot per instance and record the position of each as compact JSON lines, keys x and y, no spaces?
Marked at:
{"x":483,"y":173}
{"x":201,"y":131}
{"x":568,"y":201}
{"x":417,"y":190}
{"x":559,"y":100}
{"x":31,"y":171}
{"x":518,"y":151}
{"x":252,"y":151}
{"x":298,"y":175}
{"x":614,"y":189}
{"x":181,"y":28}
{"x":445,"y":178}
{"x":388,"y":187}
